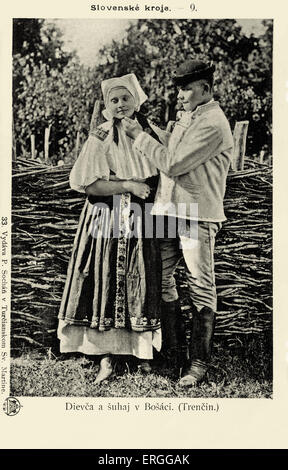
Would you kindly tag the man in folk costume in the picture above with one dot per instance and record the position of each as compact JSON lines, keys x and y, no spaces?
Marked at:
{"x":194,"y":168}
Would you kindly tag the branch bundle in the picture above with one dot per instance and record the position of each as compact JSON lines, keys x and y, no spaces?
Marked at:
{"x":45,"y":218}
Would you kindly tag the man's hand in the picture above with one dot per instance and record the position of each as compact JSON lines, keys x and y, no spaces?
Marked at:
{"x":131,"y":127}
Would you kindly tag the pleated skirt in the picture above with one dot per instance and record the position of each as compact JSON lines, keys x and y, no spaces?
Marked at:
{"x":111,"y":298}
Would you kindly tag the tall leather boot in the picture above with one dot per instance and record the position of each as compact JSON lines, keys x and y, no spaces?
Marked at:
{"x":168,"y":324}
{"x":203,"y":324}
{"x":181,"y":337}
{"x":173,"y":332}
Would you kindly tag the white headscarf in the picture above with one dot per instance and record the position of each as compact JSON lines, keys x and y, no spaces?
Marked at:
{"x":129,"y":82}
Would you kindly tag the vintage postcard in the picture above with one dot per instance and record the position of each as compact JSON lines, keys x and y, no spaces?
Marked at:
{"x":143,"y":222}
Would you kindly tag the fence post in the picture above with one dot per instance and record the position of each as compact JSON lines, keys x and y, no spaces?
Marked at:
{"x":46,"y":143}
{"x":95,"y":120}
{"x":32,"y":138}
{"x":14,"y":151}
{"x":77,"y":144}
{"x":167,"y":109}
{"x":261,"y":156}
{"x":239,"y":136}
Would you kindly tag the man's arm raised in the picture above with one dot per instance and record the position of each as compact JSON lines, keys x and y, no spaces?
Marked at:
{"x":196,"y":148}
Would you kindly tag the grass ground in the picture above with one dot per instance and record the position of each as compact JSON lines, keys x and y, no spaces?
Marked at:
{"x":232,"y":375}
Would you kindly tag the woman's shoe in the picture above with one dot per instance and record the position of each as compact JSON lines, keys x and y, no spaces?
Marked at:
{"x":105,"y":370}
{"x":145,"y":367}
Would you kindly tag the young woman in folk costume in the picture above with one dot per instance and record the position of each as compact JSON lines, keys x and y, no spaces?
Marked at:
{"x":111,"y":300}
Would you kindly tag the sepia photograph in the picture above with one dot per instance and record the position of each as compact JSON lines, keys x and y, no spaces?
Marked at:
{"x":142,"y":167}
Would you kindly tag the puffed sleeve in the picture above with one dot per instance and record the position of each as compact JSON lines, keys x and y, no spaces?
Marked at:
{"x":91,"y":165}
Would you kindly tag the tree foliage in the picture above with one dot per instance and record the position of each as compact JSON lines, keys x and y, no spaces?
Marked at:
{"x":51,"y":87}
{"x":154,"y":48}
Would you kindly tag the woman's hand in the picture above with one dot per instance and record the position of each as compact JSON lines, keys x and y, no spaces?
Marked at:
{"x":132,"y":128}
{"x":141,"y":190}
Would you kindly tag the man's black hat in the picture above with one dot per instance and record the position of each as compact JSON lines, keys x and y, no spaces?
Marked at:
{"x":193,"y":70}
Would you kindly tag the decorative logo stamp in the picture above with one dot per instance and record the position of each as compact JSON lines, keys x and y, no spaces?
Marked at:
{"x":11,"y":406}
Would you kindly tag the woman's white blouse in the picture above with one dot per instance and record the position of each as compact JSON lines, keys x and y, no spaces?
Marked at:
{"x":98,"y":158}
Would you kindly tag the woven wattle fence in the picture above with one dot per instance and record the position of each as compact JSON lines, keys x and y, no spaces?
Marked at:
{"x":45,"y":218}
